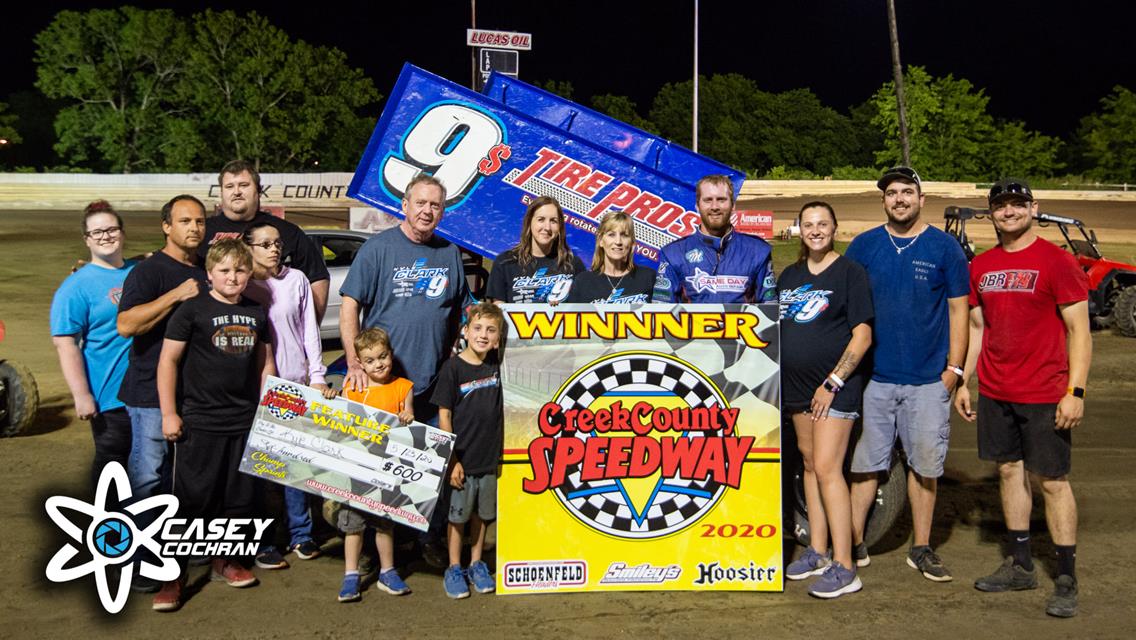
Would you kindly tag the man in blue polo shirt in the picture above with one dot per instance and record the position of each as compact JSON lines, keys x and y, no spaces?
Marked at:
{"x":920,"y":285}
{"x":716,"y":263}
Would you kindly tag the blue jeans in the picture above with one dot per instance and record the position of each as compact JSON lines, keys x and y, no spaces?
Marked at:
{"x":149,"y":469}
{"x":299,"y":516}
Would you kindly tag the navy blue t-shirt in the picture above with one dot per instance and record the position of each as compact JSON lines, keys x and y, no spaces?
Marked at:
{"x":910,"y":289}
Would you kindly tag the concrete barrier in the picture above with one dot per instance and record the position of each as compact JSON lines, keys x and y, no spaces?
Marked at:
{"x":148,"y":192}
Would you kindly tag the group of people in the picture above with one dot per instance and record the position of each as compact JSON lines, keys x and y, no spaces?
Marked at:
{"x":881,"y":332}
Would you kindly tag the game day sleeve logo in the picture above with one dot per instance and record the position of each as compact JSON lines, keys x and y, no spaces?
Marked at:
{"x":1010,"y":280}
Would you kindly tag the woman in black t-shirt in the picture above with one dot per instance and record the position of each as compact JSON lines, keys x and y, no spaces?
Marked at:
{"x":826,"y":314}
{"x":614,"y":278}
{"x":541,"y":267}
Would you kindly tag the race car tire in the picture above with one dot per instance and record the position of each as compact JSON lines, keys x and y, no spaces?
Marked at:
{"x":21,"y":398}
{"x":891,"y":497}
{"x":1124,"y":312}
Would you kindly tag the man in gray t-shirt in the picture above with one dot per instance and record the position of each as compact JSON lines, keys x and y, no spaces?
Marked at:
{"x":411,"y":283}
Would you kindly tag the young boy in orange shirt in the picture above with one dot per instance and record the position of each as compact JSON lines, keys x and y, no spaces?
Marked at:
{"x":392,"y":394}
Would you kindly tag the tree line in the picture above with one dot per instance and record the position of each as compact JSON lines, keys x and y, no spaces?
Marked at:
{"x":132,"y":90}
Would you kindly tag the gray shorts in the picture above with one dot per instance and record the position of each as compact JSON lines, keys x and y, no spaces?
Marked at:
{"x":919,"y":414}
{"x":479,"y":491}
{"x":351,"y":521}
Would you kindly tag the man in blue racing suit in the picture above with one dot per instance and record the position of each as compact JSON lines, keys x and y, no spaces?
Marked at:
{"x":716,"y":263}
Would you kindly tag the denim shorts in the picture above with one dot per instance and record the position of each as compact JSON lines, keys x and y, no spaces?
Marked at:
{"x":839,"y":415}
{"x":918,"y":414}
{"x":479,"y":491}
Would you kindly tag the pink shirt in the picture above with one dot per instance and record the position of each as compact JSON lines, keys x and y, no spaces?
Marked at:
{"x":287,"y":297}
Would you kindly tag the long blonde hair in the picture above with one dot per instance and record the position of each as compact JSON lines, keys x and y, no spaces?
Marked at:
{"x":609,"y":222}
{"x":524,"y":249}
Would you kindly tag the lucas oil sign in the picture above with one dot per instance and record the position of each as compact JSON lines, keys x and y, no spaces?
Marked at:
{"x":642,"y":449}
{"x":494,"y":158}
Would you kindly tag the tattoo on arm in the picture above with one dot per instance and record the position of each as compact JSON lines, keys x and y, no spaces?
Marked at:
{"x":847,"y":364}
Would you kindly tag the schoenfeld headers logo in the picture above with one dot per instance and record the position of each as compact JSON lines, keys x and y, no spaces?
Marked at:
{"x":116,"y":538}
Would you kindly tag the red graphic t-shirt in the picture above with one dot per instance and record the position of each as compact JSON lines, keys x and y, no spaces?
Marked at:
{"x":1024,"y":357}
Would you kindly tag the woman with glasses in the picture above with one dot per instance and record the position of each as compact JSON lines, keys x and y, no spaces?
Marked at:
{"x":286,"y":295}
{"x":92,"y":354}
{"x":826,"y":316}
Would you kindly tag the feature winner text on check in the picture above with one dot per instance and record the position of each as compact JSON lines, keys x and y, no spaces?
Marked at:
{"x":348,"y":452}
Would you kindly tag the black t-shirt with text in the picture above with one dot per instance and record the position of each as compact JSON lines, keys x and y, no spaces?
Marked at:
{"x":541,"y":280}
{"x":151,"y":279}
{"x":473,"y":394}
{"x":219,"y":378}
{"x":634,"y":288}
{"x":818,"y":313}
{"x":298,"y":252}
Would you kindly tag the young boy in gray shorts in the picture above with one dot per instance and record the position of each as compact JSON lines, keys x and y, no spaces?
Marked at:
{"x":468,"y":395}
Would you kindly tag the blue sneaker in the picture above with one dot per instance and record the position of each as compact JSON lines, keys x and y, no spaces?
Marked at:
{"x":481,"y":578}
{"x":349,"y":592}
{"x":390,"y":582}
{"x":810,"y":563}
{"x":454,"y":581}
{"x":835,"y":582}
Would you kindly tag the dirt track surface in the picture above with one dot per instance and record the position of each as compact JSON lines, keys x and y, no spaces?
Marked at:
{"x":54,"y":457}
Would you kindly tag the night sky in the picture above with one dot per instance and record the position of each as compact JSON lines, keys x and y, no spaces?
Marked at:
{"x":1046,"y":63}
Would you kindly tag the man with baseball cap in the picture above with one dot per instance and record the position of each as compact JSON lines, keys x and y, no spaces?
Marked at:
{"x":918,"y":277}
{"x":1030,"y":342}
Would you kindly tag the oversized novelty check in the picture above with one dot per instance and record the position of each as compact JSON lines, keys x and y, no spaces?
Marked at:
{"x":348,"y":452}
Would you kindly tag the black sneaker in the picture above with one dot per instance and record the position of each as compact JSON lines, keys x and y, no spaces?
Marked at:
{"x":860,"y":555}
{"x":271,"y":560}
{"x":926,"y":561}
{"x":307,"y":550}
{"x":1008,"y":577}
{"x":142,"y":584}
{"x":1063,"y":602}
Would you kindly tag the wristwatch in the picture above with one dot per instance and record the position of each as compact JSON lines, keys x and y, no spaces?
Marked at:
{"x":1077,"y":392}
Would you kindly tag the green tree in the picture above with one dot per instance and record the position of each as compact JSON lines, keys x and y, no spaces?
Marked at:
{"x":119,"y":69}
{"x":1109,"y":137}
{"x":947,"y":122}
{"x":1015,"y":151}
{"x":754,"y":130}
{"x":8,"y":132}
{"x":623,"y":109}
{"x":264,"y":97}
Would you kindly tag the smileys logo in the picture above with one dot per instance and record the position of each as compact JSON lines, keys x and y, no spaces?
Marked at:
{"x":638,"y":445}
{"x":285,"y":402}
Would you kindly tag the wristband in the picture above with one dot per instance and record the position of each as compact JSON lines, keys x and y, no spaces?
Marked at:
{"x":836,"y":380}
{"x":830,"y":387}
{"x":955,"y":369}
{"x":1077,"y":392}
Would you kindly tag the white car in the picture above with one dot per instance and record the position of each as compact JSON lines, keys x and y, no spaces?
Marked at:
{"x":339,"y":247}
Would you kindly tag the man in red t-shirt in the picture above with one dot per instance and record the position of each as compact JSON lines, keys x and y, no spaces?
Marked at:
{"x":1029,"y":337}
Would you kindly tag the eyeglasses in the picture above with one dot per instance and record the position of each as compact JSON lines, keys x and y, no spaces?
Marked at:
{"x":1010,"y":189}
{"x":99,"y":234}
{"x":266,"y":245}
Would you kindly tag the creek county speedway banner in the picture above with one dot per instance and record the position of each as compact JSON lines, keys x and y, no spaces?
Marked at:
{"x":348,"y":452}
{"x":493,"y":159}
{"x":660,"y":154}
{"x":642,"y":449}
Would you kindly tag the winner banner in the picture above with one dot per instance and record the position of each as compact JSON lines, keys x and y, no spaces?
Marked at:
{"x":642,"y":449}
{"x":348,"y":452}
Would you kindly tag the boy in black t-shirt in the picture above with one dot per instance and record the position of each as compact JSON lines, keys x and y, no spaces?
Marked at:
{"x":468,"y":395}
{"x":221,"y":342}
